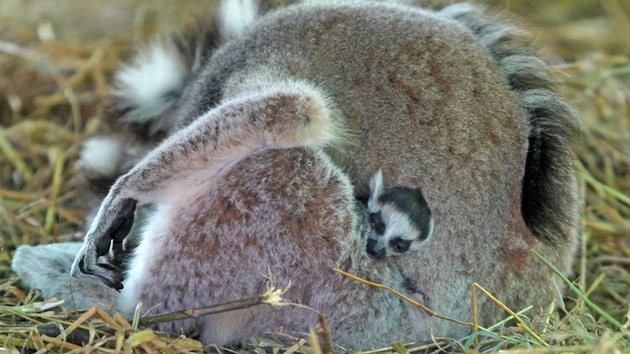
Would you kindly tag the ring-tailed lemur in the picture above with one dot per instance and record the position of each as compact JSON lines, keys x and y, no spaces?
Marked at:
{"x":268,"y":132}
{"x":399,"y":219}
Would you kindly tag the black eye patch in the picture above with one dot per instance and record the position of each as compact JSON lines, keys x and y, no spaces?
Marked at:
{"x":400,"y":245}
{"x":377,"y":223}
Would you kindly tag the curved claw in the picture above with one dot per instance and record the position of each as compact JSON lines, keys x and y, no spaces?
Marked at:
{"x":111,"y":275}
{"x":119,"y":234}
{"x":86,"y":264}
{"x":106,"y":273}
{"x":119,"y":229}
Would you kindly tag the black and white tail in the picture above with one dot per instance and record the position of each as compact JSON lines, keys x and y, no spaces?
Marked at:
{"x":147,"y":90}
{"x":548,"y":195}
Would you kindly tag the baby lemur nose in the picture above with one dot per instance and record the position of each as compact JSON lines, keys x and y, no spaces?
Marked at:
{"x":371,"y":249}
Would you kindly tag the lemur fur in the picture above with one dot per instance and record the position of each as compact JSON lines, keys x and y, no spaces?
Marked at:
{"x":270,"y":134}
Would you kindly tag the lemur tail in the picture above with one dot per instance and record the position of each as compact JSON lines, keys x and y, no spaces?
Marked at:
{"x":149,"y":87}
{"x":147,"y":90}
{"x":548,"y":203}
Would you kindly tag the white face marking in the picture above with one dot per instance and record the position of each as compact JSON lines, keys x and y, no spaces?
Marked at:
{"x":397,"y":225}
{"x":393,"y":231}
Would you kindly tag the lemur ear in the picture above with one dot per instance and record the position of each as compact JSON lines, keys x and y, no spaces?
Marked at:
{"x":376,"y":186}
{"x":431,"y":227}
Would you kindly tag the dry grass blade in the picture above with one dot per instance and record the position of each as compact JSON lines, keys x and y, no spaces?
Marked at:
{"x":579,"y":293}
{"x":202,"y":311}
{"x":400,"y":348}
{"x":406,"y":298}
{"x":272,"y":296}
{"x":521,"y":323}
{"x":324,"y":335}
{"x":15,"y":158}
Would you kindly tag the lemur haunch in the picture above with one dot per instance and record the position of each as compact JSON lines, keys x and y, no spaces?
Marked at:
{"x":257,"y":142}
{"x":398,"y":218}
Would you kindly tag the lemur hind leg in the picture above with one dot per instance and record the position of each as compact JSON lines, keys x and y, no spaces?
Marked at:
{"x":298,"y":116}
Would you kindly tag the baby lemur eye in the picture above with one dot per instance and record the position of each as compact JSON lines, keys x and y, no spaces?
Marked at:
{"x":399,"y":245}
{"x":377,"y":223}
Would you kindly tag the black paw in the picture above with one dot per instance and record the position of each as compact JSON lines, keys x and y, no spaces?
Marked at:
{"x":98,"y":243}
{"x":119,"y":234}
{"x":119,"y":229}
{"x":106,"y":273}
{"x":111,"y":275}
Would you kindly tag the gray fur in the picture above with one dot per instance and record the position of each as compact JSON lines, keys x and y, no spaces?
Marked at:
{"x":548,"y":207}
{"x":148,"y":121}
{"x":274,"y":129}
{"x":38,"y":269}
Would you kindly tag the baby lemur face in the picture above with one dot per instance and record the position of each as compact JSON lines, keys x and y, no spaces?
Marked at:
{"x":399,"y":217}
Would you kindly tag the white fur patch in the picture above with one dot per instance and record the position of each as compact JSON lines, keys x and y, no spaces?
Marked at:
{"x":101,"y":155}
{"x":144,"y":85}
{"x":153,"y":239}
{"x":236,"y":16}
{"x":398,"y":224}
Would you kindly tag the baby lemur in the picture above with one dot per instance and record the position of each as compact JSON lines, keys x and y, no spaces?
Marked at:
{"x":399,"y":219}
{"x":260,"y":141}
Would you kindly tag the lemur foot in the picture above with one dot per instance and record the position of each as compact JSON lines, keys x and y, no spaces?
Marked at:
{"x":120,"y":232}
{"x":107,"y":232}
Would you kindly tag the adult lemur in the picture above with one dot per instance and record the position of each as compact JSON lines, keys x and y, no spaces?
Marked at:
{"x":268,"y":133}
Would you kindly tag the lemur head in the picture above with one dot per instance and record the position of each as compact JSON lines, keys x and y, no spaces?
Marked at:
{"x":399,"y":217}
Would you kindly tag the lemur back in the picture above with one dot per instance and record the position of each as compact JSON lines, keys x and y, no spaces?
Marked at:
{"x":267,"y":136}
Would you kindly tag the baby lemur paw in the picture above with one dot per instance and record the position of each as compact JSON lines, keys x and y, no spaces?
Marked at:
{"x":107,"y":233}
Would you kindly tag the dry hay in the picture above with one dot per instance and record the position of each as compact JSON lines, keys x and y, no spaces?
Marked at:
{"x":51,"y":98}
